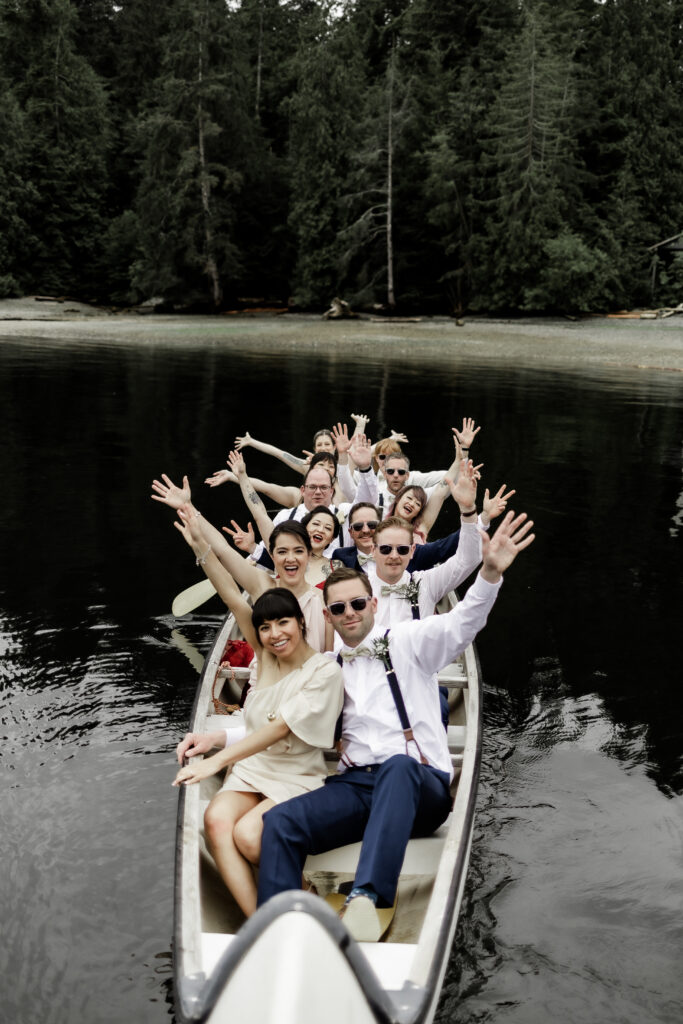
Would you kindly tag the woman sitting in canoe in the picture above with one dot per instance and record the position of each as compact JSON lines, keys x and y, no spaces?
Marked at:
{"x":290,"y":549}
{"x":289,"y":719}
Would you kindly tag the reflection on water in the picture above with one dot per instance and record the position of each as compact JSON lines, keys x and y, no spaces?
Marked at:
{"x":574,"y":899}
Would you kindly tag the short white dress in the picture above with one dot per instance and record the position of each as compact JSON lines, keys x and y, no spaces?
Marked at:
{"x":310,"y":700}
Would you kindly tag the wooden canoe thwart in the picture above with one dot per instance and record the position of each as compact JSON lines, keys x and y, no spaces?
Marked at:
{"x":294,"y":962}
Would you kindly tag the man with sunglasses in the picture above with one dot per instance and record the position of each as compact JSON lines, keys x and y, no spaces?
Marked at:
{"x":392,"y":782}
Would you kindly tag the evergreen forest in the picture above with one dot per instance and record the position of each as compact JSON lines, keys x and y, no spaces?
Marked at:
{"x":410,"y":155}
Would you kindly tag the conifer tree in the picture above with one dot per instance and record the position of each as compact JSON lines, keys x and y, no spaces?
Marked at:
{"x":193,"y":135}
{"x":65,"y":123}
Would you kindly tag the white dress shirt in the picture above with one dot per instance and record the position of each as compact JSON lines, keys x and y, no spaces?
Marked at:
{"x":419,"y":649}
{"x":433,"y":583}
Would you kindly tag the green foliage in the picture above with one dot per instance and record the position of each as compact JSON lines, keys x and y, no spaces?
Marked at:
{"x":505,"y":155}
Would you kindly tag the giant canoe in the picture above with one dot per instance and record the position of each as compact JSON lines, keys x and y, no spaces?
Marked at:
{"x":294,"y":962}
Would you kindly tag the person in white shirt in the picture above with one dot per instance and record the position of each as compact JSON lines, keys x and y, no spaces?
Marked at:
{"x":392,"y":782}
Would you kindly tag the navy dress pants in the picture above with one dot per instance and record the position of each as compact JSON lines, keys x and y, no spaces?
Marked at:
{"x":384,"y":805}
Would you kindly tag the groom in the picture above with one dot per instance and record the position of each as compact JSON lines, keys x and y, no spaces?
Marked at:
{"x":394,"y":774}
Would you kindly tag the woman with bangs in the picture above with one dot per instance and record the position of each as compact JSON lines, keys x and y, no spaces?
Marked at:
{"x":322,"y":527}
{"x":290,"y":549}
{"x":289,"y":720}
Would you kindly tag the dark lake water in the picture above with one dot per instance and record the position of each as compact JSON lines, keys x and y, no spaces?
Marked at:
{"x":575,"y":899}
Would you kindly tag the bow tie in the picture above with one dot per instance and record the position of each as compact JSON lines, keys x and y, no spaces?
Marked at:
{"x":394,"y":588}
{"x":357,"y":652}
{"x":362,"y":559}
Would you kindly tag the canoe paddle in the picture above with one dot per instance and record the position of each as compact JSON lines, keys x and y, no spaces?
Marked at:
{"x":187,"y":600}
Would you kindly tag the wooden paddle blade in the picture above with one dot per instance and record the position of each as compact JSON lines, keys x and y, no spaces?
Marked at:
{"x":187,"y":600}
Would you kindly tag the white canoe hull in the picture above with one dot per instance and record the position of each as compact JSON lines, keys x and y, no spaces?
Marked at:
{"x":294,"y":962}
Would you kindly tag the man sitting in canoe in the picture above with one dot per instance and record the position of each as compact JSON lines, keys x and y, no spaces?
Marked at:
{"x":394,"y":774}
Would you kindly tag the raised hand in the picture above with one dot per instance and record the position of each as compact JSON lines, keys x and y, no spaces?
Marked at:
{"x":401,"y":438}
{"x":340,"y":436}
{"x":221,"y":476}
{"x":190,"y":527}
{"x":242,"y":539}
{"x":467,"y":435}
{"x":361,"y":421}
{"x":492,"y":507}
{"x":243,"y":442}
{"x":500,"y":551}
{"x":169,"y":493}
{"x":464,"y":491}
{"x":361,"y":450}
{"x":237,"y":464}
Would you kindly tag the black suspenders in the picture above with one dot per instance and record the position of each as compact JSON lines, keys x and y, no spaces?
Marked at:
{"x":398,"y":701}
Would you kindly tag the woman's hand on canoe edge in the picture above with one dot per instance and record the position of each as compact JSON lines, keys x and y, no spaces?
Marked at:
{"x":194,"y":773}
{"x":194,"y":743}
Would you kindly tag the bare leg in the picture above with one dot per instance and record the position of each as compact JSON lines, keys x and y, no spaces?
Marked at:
{"x":220,"y":818}
{"x":248,"y":831}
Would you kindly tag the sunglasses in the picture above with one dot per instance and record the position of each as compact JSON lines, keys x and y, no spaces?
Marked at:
{"x":395,"y":472}
{"x":339,"y":607}
{"x":358,"y":527}
{"x":400,"y":549}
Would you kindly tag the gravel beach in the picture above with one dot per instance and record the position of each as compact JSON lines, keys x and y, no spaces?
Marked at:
{"x":552,"y":343}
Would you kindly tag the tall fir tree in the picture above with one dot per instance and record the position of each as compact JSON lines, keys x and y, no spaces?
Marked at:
{"x":66,"y":129}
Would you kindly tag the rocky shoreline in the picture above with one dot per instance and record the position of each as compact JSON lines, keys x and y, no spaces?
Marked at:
{"x":551,"y":343}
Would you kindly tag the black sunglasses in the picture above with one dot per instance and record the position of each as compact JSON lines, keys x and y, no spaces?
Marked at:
{"x":395,"y":472}
{"x":400,"y":549}
{"x":358,"y":527}
{"x":339,"y":607}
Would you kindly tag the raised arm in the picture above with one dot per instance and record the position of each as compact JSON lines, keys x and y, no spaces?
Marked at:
{"x":494,"y":506}
{"x":247,"y":441}
{"x":191,"y":529}
{"x":441,"y":491}
{"x":254,"y":503}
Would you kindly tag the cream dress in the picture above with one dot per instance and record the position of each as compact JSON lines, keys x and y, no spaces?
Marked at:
{"x":310,"y":700}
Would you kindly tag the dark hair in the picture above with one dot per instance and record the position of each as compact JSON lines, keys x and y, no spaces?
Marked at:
{"x":293,"y":529}
{"x":394,"y":522}
{"x":362,"y":504}
{"x":277,"y":603}
{"x":324,"y":457}
{"x":420,"y":493}
{"x":318,"y":511}
{"x":344,"y":574}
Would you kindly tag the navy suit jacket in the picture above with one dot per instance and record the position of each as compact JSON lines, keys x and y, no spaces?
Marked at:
{"x":426,"y":555}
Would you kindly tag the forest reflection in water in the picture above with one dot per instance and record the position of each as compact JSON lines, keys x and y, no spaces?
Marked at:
{"x":574,"y":900}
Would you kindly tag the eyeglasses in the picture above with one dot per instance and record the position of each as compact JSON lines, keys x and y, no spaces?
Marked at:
{"x":358,"y":527}
{"x":339,"y":607}
{"x":395,"y":472}
{"x":317,"y":487}
{"x":400,"y":549}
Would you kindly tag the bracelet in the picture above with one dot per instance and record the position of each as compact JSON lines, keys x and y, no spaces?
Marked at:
{"x":201,"y":559}
{"x":366,"y":470}
{"x":471,"y":512}
{"x":463,"y":449}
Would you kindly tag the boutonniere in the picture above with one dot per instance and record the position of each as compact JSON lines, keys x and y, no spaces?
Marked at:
{"x":380,"y":648}
{"x":335,"y":563}
{"x":341,"y":517}
{"x":413,"y":591}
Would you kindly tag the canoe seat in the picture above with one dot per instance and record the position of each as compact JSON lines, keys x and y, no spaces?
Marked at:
{"x":422,"y":856}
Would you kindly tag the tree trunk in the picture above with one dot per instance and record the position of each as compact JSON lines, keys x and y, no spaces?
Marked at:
{"x":210,"y":266}
{"x":391,"y":299}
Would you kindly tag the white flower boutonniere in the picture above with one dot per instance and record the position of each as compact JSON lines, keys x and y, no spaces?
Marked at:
{"x":380,"y":648}
{"x":413,"y":591}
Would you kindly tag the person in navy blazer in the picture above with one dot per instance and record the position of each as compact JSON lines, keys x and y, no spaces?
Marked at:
{"x":364,"y":519}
